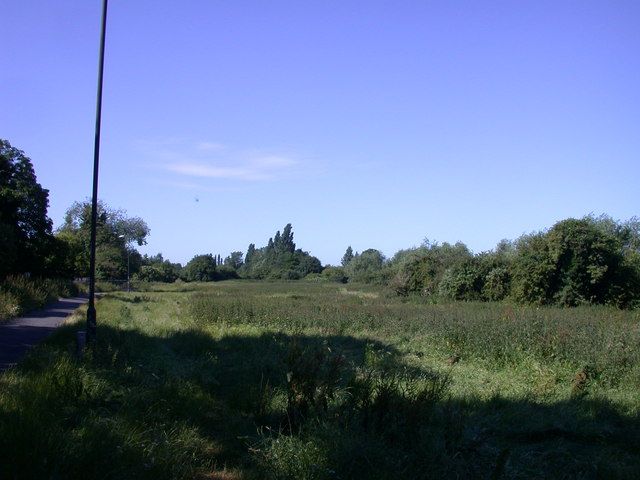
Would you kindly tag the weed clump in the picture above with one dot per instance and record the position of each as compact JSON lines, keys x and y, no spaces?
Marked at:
{"x":20,"y":294}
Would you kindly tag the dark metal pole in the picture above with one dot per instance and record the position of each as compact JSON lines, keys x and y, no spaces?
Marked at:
{"x":91,"y":311}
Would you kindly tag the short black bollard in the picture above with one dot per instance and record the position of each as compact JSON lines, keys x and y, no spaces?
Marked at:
{"x":81,"y":340}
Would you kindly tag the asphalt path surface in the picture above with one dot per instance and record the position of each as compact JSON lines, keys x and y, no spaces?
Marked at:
{"x":21,"y":334}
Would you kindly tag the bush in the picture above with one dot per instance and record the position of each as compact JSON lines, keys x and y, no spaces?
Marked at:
{"x":366,"y":267}
{"x":201,"y":268}
{"x":463,"y":281}
{"x":497,"y":284}
{"x":576,"y":262}
{"x":335,"y":274}
{"x":9,"y":305}
{"x":19,"y":294}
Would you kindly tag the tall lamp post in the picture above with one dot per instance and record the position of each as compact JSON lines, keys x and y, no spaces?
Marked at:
{"x":91,"y":311}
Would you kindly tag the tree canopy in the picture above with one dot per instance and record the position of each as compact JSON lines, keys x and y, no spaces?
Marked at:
{"x":115,"y":232}
{"x":279,"y":259}
{"x":26,"y":238}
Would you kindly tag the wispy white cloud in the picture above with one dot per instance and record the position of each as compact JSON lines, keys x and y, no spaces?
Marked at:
{"x":203,"y":170}
{"x":212,"y":160}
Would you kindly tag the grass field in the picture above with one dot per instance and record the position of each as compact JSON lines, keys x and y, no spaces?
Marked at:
{"x":308,"y":380}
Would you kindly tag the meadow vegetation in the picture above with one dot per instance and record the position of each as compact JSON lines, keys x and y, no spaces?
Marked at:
{"x":20,"y":294}
{"x":322,"y":380}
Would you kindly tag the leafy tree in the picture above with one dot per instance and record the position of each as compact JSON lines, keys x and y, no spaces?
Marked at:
{"x":26,"y":238}
{"x":463,"y":281}
{"x":248,"y":258}
{"x":366,"y":267}
{"x":334,"y":274}
{"x":347,"y":257}
{"x":578,"y":261}
{"x":279,"y":259}
{"x":201,"y":268}
{"x":234,"y":261}
{"x":155,"y":268}
{"x":115,"y":231}
{"x":497,"y":283}
{"x":420,"y":270}
{"x":286,"y":241}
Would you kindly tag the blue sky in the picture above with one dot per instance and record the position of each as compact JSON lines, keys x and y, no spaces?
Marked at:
{"x":372,"y":124}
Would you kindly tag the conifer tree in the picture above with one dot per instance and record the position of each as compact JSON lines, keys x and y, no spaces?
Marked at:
{"x":347,"y":257}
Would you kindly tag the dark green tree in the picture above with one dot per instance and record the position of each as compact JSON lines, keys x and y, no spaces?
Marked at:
{"x":286,"y":241}
{"x":201,"y":268}
{"x":366,"y":267}
{"x":248,"y":258}
{"x":234,"y":260}
{"x":115,"y":234}
{"x":347,"y":257}
{"x":577,"y":261}
{"x":279,"y":259}
{"x":26,"y":239}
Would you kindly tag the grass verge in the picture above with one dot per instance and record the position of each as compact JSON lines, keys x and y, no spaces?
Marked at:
{"x":302,"y":380}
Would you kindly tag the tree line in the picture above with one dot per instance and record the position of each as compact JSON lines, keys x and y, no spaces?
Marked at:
{"x":591,"y":260}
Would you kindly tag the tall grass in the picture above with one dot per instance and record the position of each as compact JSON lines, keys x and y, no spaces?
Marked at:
{"x":605,"y":340}
{"x":323,"y":381}
{"x":20,"y":294}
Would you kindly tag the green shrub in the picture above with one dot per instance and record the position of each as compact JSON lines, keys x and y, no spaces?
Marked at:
{"x":497,"y":284}
{"x":335,"y":274}
{"x":20,"y":294}
{"x":462,"y":282}
{"x":9,"y":306}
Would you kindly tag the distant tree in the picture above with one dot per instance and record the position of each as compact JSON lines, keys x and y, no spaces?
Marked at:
{"x":286,"y":241}
{"x":577,"y":261}
{"x":463,"y":281}
{"x":277,"y":242}
{"x":26,"y":238}
{"x":155,"y":268}
{"x":201,"y":268}
{"x":234,"y":260}
{"x":115,"y":232}
{"x":334,"y":274}
{"x":366,"y":267}
{"x":248,"y":258}
{"x":347,"y":257}
{"x":420,"y":270}
{"x":304,"y":263}
{"x":279,"y":259}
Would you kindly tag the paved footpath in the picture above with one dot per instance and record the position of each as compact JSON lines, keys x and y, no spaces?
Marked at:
{"x":21,"y":334}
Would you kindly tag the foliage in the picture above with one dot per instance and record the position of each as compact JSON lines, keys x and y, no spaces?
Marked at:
{"x":366,"y":267}
{"x":201,"y":268}
{"x":115,"y":232}
{"x":26,"y":239}
{"x":334,"y":274}
{"x":347,"y":257}
{"x":463,"y":281}
{"x":420,"y":270}
{"x":593,"y":260}
{"x":156,"y":269}
{"x":279,"y":259}
{"x":576,"y":262}
{"x":234,"y":261}
{"x":200,"y":380}
{"x":20,"y":294}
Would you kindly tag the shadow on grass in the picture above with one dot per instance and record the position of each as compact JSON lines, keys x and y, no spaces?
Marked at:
{"x":184,"y":404}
